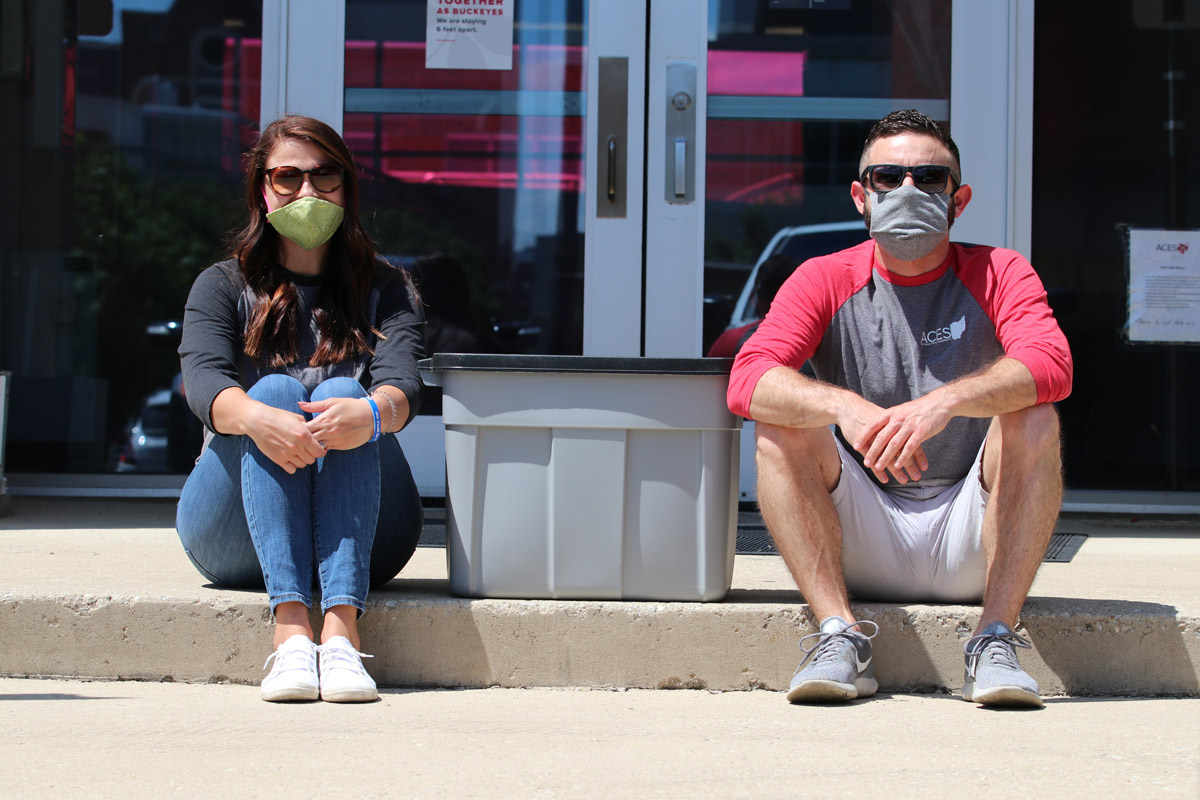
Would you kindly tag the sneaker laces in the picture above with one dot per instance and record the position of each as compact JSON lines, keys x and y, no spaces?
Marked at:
{"x":824,"y":649}
{"x":342,"y":656}
{"x":290,"y":658}
{"x":999,"y":647}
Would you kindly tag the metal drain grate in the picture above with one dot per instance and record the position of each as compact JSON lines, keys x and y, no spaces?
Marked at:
{"x":753,"y":539}
{"x":434,"y":532}
{"x":1064,"y":546}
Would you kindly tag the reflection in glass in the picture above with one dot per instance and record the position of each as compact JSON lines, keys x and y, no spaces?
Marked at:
{"x":1130,"y":422}
{"x":133,"y":123}
{"x":476,"y":175}
{"x":791,"y":96}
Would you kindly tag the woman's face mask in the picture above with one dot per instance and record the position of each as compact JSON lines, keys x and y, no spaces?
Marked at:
{"x":909,"y":223}
{"x":309,"y":221}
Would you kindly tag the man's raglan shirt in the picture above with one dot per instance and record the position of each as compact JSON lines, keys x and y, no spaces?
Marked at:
{"x":891,"y":338}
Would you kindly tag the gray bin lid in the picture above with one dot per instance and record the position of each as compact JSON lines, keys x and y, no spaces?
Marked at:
{"x":486,"y":362}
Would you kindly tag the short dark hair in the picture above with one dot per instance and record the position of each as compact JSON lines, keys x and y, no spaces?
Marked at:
{"x":910,"y":121}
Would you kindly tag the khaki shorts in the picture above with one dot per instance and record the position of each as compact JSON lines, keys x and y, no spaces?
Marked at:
{"x":911,"y":543}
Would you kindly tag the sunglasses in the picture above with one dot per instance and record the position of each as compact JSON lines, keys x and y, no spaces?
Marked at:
{"x":288,"y":180}
{"x":931,"y":178}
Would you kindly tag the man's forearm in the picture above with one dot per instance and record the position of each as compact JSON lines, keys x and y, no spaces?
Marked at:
{"x":1005,"y":386}
{"x":785,"y":397}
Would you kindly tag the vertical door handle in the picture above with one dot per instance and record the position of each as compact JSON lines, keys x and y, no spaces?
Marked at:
{"x":612,"y":126}
{"x":612,"y":169}
{"x":681,"y":167}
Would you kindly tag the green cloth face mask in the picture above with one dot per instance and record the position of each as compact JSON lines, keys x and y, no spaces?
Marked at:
{"x":309,"y":221}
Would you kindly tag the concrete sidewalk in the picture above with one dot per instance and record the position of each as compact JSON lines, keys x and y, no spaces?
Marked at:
{"x":152,"y":740}
{"x":101,"y":588}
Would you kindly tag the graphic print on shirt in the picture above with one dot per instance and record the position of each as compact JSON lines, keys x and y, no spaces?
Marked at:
{"x":891,"y":343}
{"x":951,"y":332}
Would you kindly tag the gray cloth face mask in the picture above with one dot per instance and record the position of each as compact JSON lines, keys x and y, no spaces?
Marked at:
{"x":909,"y":223}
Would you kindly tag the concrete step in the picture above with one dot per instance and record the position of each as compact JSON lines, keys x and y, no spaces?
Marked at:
{"x":101,"y":588}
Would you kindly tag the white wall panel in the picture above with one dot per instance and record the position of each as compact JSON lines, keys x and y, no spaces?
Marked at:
{"x":675,"y":231}
{"x":991,"y":118}
{"x":612,"y":284}
{"x":303,"y":60}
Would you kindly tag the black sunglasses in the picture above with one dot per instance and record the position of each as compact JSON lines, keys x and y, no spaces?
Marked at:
{"x":931,"y":178}
{"x":288,"y":180}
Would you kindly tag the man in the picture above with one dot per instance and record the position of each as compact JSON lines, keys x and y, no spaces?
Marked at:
{"x":938,"y":364}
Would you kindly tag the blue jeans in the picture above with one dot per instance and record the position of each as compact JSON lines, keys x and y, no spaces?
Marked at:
{"x":246,"y":523}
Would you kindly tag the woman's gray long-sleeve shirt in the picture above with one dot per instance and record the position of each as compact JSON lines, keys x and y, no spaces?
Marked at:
{"x":220,"y":304}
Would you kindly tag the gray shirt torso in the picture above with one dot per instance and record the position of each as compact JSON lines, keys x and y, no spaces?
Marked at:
{"x":220,"y":305}
{"x":892,"y":343}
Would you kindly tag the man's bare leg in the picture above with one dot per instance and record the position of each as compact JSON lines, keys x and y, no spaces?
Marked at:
{"x":1022,"y":469}
{"x":797,"y":470}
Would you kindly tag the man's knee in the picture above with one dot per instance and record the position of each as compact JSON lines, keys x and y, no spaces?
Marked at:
{"x":1034,"y":429}
{"x":796,"y":452}
{"x":1027,"y":441}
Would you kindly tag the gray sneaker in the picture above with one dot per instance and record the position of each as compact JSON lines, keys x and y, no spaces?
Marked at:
{"x":993,"y":676}
{"x":838,"y":664}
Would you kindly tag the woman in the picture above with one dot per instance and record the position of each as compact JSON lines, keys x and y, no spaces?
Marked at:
{"x":299,"y":355}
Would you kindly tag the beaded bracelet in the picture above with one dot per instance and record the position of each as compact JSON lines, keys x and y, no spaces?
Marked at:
{"x":392,"y":406}
{"x":374,"y":417}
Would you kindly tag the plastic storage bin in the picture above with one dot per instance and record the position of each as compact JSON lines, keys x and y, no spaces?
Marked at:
{"x":583,"y":477}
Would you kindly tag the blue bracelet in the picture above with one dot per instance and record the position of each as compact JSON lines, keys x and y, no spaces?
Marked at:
{"x":375,"y":418}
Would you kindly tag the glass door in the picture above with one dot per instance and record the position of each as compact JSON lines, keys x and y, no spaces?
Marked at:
{"x":476,"y":179}
{"x":790,"y":90}
{"x":611,"y":193}
{"x":473,"y":177}
{"x":787,"y":92}
{"x":124,"y":123}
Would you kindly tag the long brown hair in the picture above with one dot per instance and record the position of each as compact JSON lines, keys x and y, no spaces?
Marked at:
{"x":272,"y":331}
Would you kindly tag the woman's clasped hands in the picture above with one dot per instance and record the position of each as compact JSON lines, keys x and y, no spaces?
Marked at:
{"x":340,"y":423}
{"x":285,"y":437}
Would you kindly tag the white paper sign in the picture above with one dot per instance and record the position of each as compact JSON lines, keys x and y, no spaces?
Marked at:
{"x":469,"y":34}
{"x":1164,"y":286}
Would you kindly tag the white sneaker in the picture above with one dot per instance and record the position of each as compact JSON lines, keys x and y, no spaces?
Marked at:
{"x":343,"y":679}
{"x":294,"y":676}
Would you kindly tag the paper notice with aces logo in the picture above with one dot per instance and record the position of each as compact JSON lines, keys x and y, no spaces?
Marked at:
{"x":1164,"y":286}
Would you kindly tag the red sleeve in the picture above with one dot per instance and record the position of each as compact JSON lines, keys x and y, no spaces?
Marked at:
{"x":1010,"y":292}
{"x":799,"y":316}
{"x":726,"y":345}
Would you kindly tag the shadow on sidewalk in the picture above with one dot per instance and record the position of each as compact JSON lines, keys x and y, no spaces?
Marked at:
{"x":51,"y":696}
{"x":1137,"y":645}
{"x":91,"y":513}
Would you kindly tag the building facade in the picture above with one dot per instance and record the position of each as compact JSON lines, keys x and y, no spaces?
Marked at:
{"x":606,"y":192}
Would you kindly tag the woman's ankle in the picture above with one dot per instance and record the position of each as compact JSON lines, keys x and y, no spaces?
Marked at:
{"x":291,"y":619}
{"x":341,"y":621}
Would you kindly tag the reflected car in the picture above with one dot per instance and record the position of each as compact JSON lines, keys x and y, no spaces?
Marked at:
{"x":143,"y":447}
{"x":801,"y":242}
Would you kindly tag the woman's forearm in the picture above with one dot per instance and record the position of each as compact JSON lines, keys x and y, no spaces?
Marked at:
{"x":393,"y":408}
{"x":231,"y":409}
